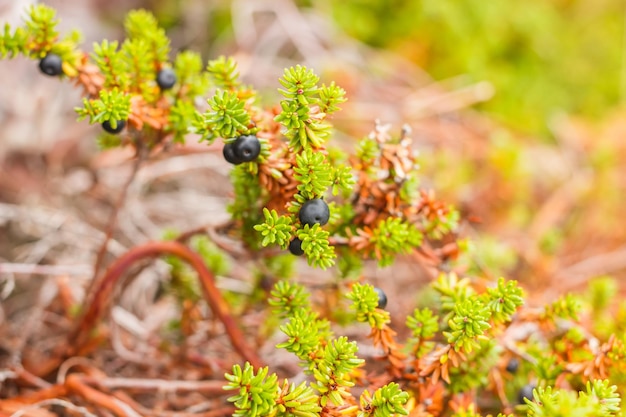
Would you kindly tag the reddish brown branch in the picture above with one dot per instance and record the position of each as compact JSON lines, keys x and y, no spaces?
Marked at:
{"x":81,"y":335}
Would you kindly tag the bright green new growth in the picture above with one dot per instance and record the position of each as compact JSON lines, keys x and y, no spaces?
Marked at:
{"x":468,"y":324}
{"x":41,"y":28}
{"x":387,"y":401}
{"x":224,"y":74}
{"x":315,"y":245}
{"x":423,"y":325}
{"x":394,"y":236}
{"x":113,"y":105}
{"x":227,"y":117}
{"x":314,"y":174}
{"x":288,"y":298}
{"x":332,"y":371}
{"x":276,"y":229}
{"x":298,"y":401}
{"x":365,"y":303}
{"x":141,"y":24}
{"x":504,"y":300}
{"x":257,"y":392}
{"x":598,"y":400}
{"x":302,"y":113}
{"x":566,"y":307}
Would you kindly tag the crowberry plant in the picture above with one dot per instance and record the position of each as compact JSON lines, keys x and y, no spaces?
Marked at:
{"x":340,"y":211}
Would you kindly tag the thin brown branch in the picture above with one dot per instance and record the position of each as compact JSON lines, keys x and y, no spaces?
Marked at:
{"x":95,"y":307}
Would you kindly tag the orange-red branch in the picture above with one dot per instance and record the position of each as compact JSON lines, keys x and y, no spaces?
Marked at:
{"x":95,"y":308}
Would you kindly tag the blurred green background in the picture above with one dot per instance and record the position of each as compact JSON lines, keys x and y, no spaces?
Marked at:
{"x":544,"y":57}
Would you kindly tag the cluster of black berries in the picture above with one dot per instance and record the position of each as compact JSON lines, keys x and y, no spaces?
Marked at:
{"x":312,"y":212}
{"x":245,"y":148}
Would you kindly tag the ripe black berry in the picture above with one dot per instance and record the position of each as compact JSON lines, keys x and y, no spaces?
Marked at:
{"x":295,"y":247}
{"x":512,"y":366}
{"x":314,"y":211}
{"x":109,"y":128}
{"x":229,"y":154}
{"x":382,"y":298}
{"x":51,"y":65}
{"x":166,"y":78}
{"x":526,"y":392}
{"x":247,"y":148}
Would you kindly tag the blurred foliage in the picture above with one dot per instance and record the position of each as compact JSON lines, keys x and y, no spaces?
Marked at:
{"x":544,"y":57}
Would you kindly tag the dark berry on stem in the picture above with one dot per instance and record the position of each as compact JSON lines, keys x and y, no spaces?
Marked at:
{"x":108,"y":127}
{"x":229,"y":154}
{"x":314,"y":211}
{"x":295,"y":247}
{"x":51,"y":65}
{"x":166,"y":78}
{"x":526,"y":392}
{"x":512,"y":366}
{"x":247,"y":147}
{"x":382,"y":298}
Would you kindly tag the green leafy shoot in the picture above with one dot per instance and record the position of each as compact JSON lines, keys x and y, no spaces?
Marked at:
{"x":330,"y":97}
{"x":424,"y":324}
{"x":342,"y":179}
{"x":288,"y":297}
{"x":12,"y":43}
{"x":566,"y":307}
{"x":394,"y":236}
{"x":298,"y":400}
{"x":313,"y":172}
{"x":113,"y":105}
{"x":227,"y":118}
{"x":503,"y":300}
{"x":300,"y":113}
{"x":223,"y":73}
{"x":139,"y":69}
{"x":111,"y":63}
{"x":332,"y":373}
{"x":387,"y":401}
{"x":276,"y":229}
{"x":41,"y":25}
{"x":365,"y":303}
{"x":256,"y":392}
{"x":317,"y":249}
{"x":141,"y":24}
{"x":468,"y":324}
{"x":300,"y":85}
{"x":191,"y":79}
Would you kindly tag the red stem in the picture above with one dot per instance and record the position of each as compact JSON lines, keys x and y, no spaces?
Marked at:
{"x":81,"y":334}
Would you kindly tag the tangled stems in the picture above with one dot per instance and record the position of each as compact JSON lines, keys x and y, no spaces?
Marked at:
{"x":95,"y":307}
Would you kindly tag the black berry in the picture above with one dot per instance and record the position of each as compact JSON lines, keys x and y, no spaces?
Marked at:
{"x":314,"y":211}
{"x":118,"y":128}
{"x":229,"y":154}
{"x":525,"y":392}
{"x":51,"y":65}
{"x":382,"y":298}
{"x":512,"y":366}
{"x":295,"y":247}
{"x":247,"y":148}
{"x":166,"y":78}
